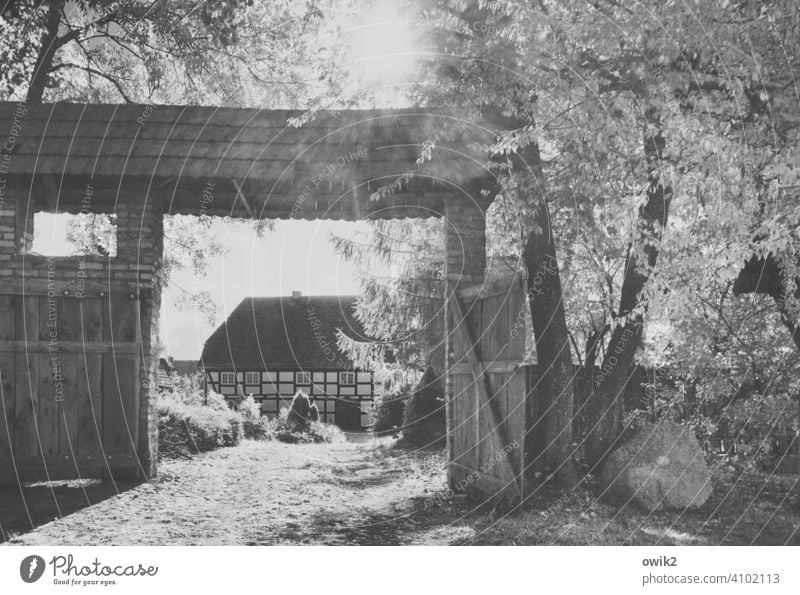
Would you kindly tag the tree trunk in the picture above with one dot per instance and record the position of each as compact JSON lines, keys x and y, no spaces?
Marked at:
{"x":593,"y":343}
{"x":555,"y":406}
{"x":47,"y":51}
{"x":605,"y":403}
{"x":794,"y":330}
{"x":764,"y":276}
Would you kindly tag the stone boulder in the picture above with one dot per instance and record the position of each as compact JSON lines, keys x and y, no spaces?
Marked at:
{"x":662,"y":467}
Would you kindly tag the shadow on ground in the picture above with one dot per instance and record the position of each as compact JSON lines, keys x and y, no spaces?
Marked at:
{"x":25,"y":508}
{"x":412,"y":523}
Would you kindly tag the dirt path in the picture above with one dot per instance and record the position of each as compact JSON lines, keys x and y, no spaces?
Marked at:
{"x":268,"y":493}
{"x":366,"y":493}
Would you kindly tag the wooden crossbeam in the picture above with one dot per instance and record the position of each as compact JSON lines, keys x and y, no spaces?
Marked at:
{"x":79,"y":347}
{"x":500,"y":366}
{"x":240,"y":195}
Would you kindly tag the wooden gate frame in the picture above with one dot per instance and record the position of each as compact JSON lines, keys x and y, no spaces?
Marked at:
{"x":143,"y":161}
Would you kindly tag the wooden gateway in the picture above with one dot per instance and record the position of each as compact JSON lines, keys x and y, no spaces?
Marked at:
{"x":78,"y":335}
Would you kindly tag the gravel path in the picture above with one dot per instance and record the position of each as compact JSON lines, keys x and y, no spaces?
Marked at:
{"x":268,"y":493}
{"x":365,"y":493}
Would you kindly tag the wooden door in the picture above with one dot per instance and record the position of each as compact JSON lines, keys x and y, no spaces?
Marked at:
{"x":348,"y":413}
{"x":486,"y":407}
{"x":69,"y":387}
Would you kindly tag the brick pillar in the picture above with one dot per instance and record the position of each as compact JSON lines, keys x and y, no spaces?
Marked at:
{"x":16,"y":220}
{"x":8,"y":223}
{"x":465,"y":265}
{"x":465,"y":242}
{"x":140,"y":250}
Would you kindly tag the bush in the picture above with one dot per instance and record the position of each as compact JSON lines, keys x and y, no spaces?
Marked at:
{"x":188,"y":390}
{"x":215,"y":401}
{"x":316,"y":432}
{"x":185,"y":429}
{"x":387,"y":411}
{"x":282,"y":430}
{"x":258,"y":429}
{"x":424,"y":414}
{"x":249,"y":409}
{"x":187,"y":426}
{"x":298,"y":418}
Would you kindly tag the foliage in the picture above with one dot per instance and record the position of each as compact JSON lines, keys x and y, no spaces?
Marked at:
{"x":424,"y":422}
{"x":185,"y":429}
{"x":756,"y":424}
{"x":93,"y":233}
{"x":400,"y":298}
{"x":387,"y":410}
{"x":592,"y":82}
{"x":239,"y":51}
{"x":248,"y":408}
{"x":315,"y":433}
{"x":298,"y":416}
{"x":216,"y":401}
{"x":189,"y":390}
{"x":258,"y":429}
{"x":252,"y":422}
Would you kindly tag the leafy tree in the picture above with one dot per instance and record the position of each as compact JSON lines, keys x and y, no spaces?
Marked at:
{"x":401,"y":301}
{"x":237,"y":51}
{"x":639,"y":110}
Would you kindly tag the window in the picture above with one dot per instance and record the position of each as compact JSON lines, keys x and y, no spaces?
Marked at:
{"x":302,"y":378}
{"x":252,"y":377}
{"x":227,"y":378}
{"x":347,"y":378}
{"x":63,"y":234}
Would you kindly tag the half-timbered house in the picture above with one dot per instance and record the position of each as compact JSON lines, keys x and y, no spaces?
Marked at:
{"x":272,"y":347}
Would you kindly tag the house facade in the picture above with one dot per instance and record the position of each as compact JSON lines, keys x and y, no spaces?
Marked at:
{"x":272,"y":347}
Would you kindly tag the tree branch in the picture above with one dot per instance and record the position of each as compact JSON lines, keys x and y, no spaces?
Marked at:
{"x":99,"y":73}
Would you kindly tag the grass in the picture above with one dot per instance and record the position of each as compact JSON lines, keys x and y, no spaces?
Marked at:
{"x":746,"y":508}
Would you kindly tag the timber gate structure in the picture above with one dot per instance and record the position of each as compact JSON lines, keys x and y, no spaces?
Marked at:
{"x":78,"y":335}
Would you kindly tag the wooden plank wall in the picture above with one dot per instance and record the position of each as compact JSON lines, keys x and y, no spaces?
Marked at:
{"x":69,"y":382}
{"x":492,"y":314}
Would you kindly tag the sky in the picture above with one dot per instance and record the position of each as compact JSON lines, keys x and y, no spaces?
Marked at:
{"x":295,"y":256}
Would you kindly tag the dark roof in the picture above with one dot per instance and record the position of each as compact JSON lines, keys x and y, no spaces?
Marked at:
{"x":164,"y":381}
{"x":186,"y":367}
{"x":284,"y":332}
{"x":178,"y":150}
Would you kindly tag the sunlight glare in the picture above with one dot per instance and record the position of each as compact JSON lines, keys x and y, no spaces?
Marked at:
{"x":384,"y":44}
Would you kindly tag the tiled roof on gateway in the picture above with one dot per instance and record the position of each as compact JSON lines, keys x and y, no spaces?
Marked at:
{"x":297,"y":332}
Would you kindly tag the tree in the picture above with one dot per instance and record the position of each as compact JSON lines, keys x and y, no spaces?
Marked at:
{"x":605,"y":407}
{"x":639,"y":108}
{"x":401,"y":301}
{"x":236,"y":52}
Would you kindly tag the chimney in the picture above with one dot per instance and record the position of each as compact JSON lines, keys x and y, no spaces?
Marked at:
{"x":297,"y":294}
